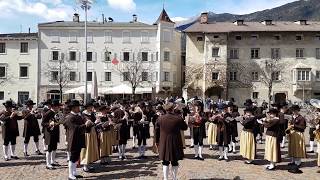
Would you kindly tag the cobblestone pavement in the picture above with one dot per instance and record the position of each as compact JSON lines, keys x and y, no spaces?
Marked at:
{"x":132,"y":168}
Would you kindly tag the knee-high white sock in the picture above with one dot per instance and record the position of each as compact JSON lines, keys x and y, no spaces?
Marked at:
{"x":233,"y":147}
{"x":53,"y":157}
{"x":37,"y":146}
{"x":311,"y":146}
{"x":165,"y":170}
{"x":45,"y":148}
{"x":200,"y":151}
{"x":74,"y":168}
{"x":5,"y":151}
{"x":196,"y":150}
{"x":220,"y":152}
{"x":71,"y":170}
{"x":13,"y":149}
{"x":123,"y":149}
{"x":68,"y":156}
{"x":25,"y":148}
{"x":225,"y":153}
{"x":318,"y":148}
{"x":133,"y":141}
{"x":174,"y":172}
{"x":283,"y":141}
{"x":140,"y":150}
{"x":48,"y":159}
{"x":120,"y":150}
{"x":143,"y":150}
{"x":229,"y":147}
{"x":297,"y":161}
{"x":191,"y":142}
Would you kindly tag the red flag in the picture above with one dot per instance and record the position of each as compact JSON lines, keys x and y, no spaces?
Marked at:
{"x":115,"y":61}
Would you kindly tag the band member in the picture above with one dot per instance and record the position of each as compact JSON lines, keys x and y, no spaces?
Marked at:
{"x":120,"y":120}
{"x":134,"y":123}
{"x":312,"y":127}
{"x":284,"y":120}
{"x":223,"y":132}
{"x":178,"y":110}
{"x":10,"y":130}
{"x":105,"y":130}
{"x":247,"y":140}
{"x":66,"y":111}
{"x":50,"y":124}
{"x":272,"y":123}
{"x":141,"y":120}
{"x":233,"y":125}
{"x":159,"y":112}
{"x":31,"y":127}
{"x":76,"y":127}
{"x":296,"y":146}
{"x":198,"y":121}
{"x":170,"y":146}
{"x":212,"y":127}
{"x":46,"y":107}
{"x":90,"y":153}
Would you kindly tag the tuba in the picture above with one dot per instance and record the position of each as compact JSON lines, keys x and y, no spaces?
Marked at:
{"x":316,"y":117}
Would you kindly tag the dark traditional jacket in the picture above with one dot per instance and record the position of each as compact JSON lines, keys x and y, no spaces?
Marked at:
{"x":273,"y":127}
{"x":52,"y":135}
{"x":31,"y":125}
{"x":299,"y":123}
{"x":76,"y":132}
{"x":10,"y":127}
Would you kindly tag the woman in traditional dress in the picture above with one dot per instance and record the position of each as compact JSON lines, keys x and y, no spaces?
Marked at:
{"x":212,"y":127}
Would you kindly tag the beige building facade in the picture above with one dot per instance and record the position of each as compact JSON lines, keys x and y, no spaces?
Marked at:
{"x":244,"y":60}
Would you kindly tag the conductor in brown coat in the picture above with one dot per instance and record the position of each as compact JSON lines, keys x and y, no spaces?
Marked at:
{"x":170,"y":146}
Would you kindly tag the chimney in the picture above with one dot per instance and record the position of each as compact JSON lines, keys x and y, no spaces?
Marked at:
{"x":76,"y":17}
{"x":134,"y":18}
{"x":267,"y":22}
{"x":102,"y":18}
{"x":204,"y":18}
{"x":29,"y":30}
{"x":239,"y":22}
{"x":302,"y":22}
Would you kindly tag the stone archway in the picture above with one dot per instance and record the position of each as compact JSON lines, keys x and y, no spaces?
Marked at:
{"x":214,"y":92}
{"x":280,"y":97}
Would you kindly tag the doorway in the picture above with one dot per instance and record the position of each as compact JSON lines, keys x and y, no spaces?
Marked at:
{"x":280,"y":98}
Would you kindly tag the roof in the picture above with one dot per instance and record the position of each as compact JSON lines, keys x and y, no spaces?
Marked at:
{"x":93,"y":24}
{"x":19,"y":36}
{"x":164,"y":17}
{"x":279,"y":26}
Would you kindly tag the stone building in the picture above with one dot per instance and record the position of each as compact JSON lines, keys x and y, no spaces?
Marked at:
{"x":253,"y":60}
{"x":18,"y":67}
{"x":109,"y":44}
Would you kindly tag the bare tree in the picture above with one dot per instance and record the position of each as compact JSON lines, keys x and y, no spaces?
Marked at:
{"x":136,"y":72}
{"x":62,"y":77}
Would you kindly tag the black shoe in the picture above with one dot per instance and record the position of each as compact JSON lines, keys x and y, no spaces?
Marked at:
{"x":39,"y":153}
{"x":191,"y":146}
{"x":271,"y":169}
{"x":201,"y":159}
{"x":196,"y":157}
{"x":310,"y":151}
{"x":26,"y":154}
{"x":248,"y":162}
{"x":291,"y":164}
{"x":14,"y":157}
{"x":210,"y":148}
{"x":79,"y":176}
{"x":133,"y":147}
{"x":89,"y":170}
{"x":6,"y":159}
{"x":220,"y":158}
{"x":50,"y":168}
{"x":55,"y":164}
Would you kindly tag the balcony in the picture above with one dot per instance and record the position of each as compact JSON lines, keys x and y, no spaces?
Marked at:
{"x":301,"y":86}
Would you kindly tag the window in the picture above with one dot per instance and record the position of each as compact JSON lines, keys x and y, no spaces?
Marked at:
{"x":254,"y":37}
{"x":72,"y":76}
{"x":215,"y":52}
{"x":275,"y":53}
{"x":107,"y":76}
{"x":304,"y":75}
{"x":234,"y":54}
{"x":276,"y":76}
{"x":90,"y":37}
{"x":255,"y":95}
{"x":54,"y":75}
{"x":166,"y":76}
{"x":199,"y":38}
{"x":277,"y":37}
{"x":255,"y":53}
{"x":144,"y":56}
{"x":166,"y":56}
{"x":144,"y":37}
{"x":126,"y":37}
{"x":318,"y":75}
{"x":3,"y":73}
{"x":317,"y":37}
{"x":144,"y":76}
{"x":107,"y":56}
{"x":108,"y":36}
{"x":183,"y":60}
{"x":166,"y":35}
{"x":89,"y":76}
{"x":72,"y":55}
{"x":255,"y":76}
{"x":215,"y":36}
{"x":2,"y":48}
{"x":300,"y":53}
{"x":126,"y":56}
{"x":233,"y":76}
{"x":298,"y":37}
{"x":215,"y":76}
{"x":89,"y":56}
{"x":22,"y":97}
{"x":317,"y":53}
{"x":238,"y":37}
{"x":72,"y":37}
{"x":55,"y":55}
{"x":126,"y":76}
{"x":55,"y":37}
{"x":1,"y":95}
{"x":24,"y":47}
{"x":23,"y":72}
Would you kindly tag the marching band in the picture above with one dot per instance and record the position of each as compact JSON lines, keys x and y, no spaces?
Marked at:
{"x":95,"y":130}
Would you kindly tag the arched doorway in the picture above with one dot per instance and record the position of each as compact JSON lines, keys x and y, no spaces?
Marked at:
{"x":214,"y":92}
{"x":280,"y":97}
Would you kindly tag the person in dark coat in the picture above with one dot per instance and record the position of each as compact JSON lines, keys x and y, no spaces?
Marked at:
{"x":170,"y":146}
{"x":50,"y":124}
{"x":76,"y":127}
{"x":31,"y":127}
{"x":223,"y":132}
{"x":121,"y":119}
{"x":10,"y":130}
{"x":47,"y":107}
{"x":233,"y":110}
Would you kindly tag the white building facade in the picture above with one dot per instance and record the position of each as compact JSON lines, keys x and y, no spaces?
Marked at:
{"x":62,"y":44}
{"x":237,"y":58}
{"x":18,"y":67}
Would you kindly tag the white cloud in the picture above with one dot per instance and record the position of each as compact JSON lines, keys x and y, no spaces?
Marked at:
{"x":178,"y":19}
{"x":41,"y":9}
{"x":123,"y":5}
{"x":55,"y":2}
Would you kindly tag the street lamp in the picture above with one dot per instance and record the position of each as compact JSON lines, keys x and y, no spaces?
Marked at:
{"x":86,"y":5}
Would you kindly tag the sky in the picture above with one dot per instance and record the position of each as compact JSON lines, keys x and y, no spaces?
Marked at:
{"x":19,"y":15}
